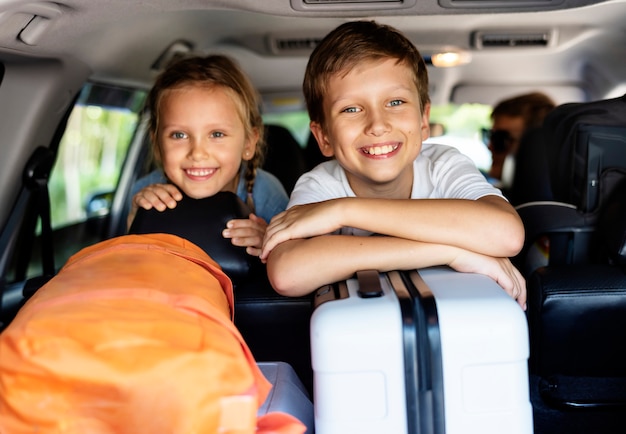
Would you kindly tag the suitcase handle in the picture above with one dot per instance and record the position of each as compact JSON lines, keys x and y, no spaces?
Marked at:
{"x":369,"y":284}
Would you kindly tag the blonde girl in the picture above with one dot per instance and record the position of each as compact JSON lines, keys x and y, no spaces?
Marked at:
{"x":207,"y":137}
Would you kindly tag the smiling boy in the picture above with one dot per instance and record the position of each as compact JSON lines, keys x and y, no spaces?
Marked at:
{"x":366,"y":87}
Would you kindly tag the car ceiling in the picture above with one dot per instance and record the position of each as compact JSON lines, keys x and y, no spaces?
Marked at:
{"x":119,"y":40}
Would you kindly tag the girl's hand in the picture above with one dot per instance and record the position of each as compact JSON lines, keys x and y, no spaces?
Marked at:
{"x":158,"y":196}
{"x":247,"y":233}
{"x":499,"y":269}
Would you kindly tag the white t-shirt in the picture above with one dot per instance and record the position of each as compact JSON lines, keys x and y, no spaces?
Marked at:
{"x":439,"y":172}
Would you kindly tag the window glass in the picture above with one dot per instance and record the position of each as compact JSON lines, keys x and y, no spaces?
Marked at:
{"x":462,"y":128}
{"x":297,"y":122}
{"x":92,"y":151}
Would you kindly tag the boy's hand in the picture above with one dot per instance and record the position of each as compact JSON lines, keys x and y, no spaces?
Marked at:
{"x":246,"y":233}
{"x":301,"y":221}
{"x":499,"y":269}
{"x":158,"y":196}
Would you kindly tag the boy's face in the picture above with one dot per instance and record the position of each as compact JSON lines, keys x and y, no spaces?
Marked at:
{"x":202,"y":140}
{"x":374,"y":127}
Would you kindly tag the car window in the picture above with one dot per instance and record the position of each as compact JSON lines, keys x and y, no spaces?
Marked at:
{"x":297,"y":122}
{"x":462,"y":128}
{"x":86,"y":171}
{"x":92,"y":151}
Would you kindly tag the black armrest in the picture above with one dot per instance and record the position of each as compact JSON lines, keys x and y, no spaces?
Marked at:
{"x":568,"y":229}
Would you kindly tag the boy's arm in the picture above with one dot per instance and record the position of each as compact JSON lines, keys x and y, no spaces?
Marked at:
{"x":300,"y":266}
{"x":489,"y":225}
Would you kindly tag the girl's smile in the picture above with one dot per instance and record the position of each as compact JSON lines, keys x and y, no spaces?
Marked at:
{"x":202,"y":139}
{"x":200,"y":173}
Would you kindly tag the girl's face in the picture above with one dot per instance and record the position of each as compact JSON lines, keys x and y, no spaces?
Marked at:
{"x":202,"y":139}
{"x":374,"y":127}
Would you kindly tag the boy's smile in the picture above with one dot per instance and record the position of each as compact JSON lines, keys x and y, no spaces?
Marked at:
{"x":381,"y":151}
{"x":374,"y":127}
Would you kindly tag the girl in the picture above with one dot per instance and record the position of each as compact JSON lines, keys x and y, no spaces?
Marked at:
{"x":207,"y":134}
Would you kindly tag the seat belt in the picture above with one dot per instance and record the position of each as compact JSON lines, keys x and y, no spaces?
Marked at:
{"x":35,"y":178}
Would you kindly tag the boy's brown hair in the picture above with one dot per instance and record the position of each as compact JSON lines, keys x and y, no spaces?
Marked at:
{"x":351,"y":44}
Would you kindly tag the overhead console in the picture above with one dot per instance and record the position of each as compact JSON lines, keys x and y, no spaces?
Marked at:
{"x":433,"y":7}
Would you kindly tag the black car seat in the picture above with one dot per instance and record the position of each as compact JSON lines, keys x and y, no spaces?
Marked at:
{"x":531,"y":179}
{"x":284,"y":157}
{"x":585,"y":157}
{"x":312,"y":153}
{"x":577,"y":329}
{"x":200,"y":221}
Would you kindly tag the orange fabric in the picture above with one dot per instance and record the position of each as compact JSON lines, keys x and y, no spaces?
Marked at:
{"x":134,"y":334}
{"x":279,"y":423}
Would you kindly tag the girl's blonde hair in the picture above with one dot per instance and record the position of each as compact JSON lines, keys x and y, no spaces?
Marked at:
{"x":213,"y":70}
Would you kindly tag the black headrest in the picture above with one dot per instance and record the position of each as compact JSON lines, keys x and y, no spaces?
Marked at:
{"x":201,"y":221}
{"x":612,"y":223}
{"x":531,"y":180}
{"x":284,"y":157}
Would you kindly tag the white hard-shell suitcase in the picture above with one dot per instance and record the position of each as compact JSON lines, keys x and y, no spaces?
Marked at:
{"x":428,"y":351}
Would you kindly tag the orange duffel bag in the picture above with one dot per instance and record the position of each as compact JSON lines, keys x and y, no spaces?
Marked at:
{"x":133,"y":335}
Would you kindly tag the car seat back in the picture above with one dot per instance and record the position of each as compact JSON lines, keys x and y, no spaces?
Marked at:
{"x":312,"y":153}
{"x":284,"y":157}
{"x":577,"y":321}
{"x":585,"y":152}
{"x":585,"y":140}
{"x":531,"y":179}
{"x":202,"y":221}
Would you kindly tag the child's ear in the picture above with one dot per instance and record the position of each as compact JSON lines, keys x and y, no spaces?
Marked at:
{"x":249,"y":148}
{"x":426,"y":122}
{"x":322,"y":141}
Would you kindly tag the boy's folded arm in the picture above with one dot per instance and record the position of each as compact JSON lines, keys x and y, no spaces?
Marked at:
{"x":298,"y":267}
{"x":489,"y":225}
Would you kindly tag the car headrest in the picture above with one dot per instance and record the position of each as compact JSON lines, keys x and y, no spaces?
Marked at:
{"x":582,"y":140}
{"x":284,"y":157}
{"x":201,"y":221}
{"x":612,"y":224}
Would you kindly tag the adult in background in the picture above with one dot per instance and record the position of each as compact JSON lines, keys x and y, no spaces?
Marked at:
{"x":511,"y":119}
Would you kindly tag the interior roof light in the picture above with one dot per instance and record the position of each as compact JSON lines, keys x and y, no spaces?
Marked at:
{"x":448,"y":59}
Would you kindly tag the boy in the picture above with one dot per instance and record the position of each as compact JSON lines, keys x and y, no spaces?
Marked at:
{"x":366,"y":88}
